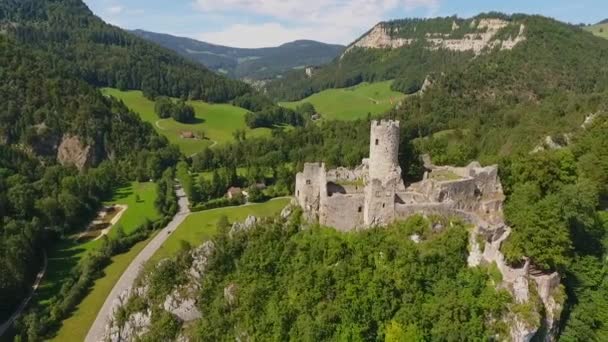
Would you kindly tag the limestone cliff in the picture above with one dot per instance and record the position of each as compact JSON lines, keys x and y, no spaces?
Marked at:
{"x":73,"y":151}
{"x":482,"y":35}
{"x":181,"y":302}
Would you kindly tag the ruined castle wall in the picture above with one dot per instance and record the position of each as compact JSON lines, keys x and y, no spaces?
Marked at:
{"x":308,"y":188}
{"x":405,"y":197}
{"x":344,"y":174}
{"x":343,"y":212}
{"x":379,"y":203}
{"x":334,"y":188}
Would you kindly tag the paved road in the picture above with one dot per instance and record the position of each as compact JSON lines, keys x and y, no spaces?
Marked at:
{"x":26,"y":301}
{"x":128,"y":277}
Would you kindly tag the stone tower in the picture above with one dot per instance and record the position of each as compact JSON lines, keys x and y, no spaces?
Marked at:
{"x":384,"y":173}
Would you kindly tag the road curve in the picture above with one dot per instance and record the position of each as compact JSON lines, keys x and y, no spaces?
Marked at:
{"x":125,"y":282}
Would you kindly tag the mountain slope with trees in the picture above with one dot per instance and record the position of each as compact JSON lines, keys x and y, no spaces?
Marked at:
{"x":105,"y":55}
{"x":256,"y":64}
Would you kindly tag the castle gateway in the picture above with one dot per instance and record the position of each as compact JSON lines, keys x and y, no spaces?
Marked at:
{"x":374,"y":194}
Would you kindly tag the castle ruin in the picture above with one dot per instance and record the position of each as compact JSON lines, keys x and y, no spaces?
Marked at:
{"x":374,"y":193}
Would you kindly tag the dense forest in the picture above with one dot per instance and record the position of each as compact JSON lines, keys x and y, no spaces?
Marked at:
{"x":320,"y":285}
{"x":41,"y":200}
{"x":105,"y":55}
{"x":255,"y":64}
{"x":496,"y":107}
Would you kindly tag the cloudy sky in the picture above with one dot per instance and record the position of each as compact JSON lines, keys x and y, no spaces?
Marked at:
{"x":258,"y":23}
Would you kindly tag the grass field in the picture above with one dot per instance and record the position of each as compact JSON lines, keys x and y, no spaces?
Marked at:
{"x":68,"y":252}
{"x":217,"y":121}
{"x":76,"y":327}
{"x":138,"y":210}
{"x":353,"y":103}
{"x":600,"y":30}
{"x":201,"y":226}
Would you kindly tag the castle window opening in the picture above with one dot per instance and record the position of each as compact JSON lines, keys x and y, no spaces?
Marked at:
{"x":383,"y":205}
{"x":360,"y":209}
{"x":298,"y":193}
{"x":377,"y":142}
{"x":308,"y":182}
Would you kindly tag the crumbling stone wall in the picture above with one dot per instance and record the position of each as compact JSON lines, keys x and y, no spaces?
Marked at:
{"x":343,"y":212}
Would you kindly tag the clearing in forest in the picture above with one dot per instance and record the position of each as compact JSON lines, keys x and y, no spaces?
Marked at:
{"x":600,"y":30}
{"x":201,"y":226}
{"x":217,"y":122}
{"x":354,"y":102}
{"x":68,"y":252}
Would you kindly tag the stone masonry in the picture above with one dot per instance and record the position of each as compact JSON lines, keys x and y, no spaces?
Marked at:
{"x":374,"y":194}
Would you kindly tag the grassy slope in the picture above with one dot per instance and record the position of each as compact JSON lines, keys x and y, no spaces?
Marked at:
{"x":138,"y":211}
{"x":76,"y":327}
{"x":217,"y":121}
{"x":353,"y":103}
{"x":595,"y":29}
{"x":68,"y":252}
{"x":201,"y":226}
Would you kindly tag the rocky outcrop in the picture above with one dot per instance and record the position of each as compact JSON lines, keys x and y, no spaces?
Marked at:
{"x":483,"y":37}
{"x":526,"y":287}
{"x":181,"y":302}
{"x":73,"y":151}
{"x":239,"y":227}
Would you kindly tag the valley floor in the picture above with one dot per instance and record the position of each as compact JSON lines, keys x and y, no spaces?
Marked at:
{"x":217,"y":121}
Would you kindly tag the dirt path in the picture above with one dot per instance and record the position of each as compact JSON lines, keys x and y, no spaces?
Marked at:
{"x":159,"y":126}
{"x":114,"y":220}
{"x":125,"y":282}
{"x":26,"y":301}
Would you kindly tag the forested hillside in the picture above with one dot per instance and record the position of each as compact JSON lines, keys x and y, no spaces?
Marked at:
{"x":256,"y":64}
{"x":104,"y":55}
{"x":40,"y":199}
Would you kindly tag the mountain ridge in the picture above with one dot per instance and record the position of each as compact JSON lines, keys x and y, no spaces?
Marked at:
{"x":248,"y":63}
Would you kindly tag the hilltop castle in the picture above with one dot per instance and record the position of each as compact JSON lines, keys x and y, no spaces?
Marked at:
{"x":374,"y":193}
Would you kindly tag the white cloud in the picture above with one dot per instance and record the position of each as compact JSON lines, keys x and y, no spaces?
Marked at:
{"x":115,"y":9}
{"x":337,"y":21}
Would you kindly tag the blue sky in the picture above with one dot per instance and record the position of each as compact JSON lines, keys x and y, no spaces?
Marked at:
{"x":258,"y":23}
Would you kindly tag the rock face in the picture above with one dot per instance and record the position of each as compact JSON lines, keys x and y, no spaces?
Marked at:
{"x":181,"y":302}
{"x":483,"y":37}
{"x":238,"y":227}
{"x":72,"y":151}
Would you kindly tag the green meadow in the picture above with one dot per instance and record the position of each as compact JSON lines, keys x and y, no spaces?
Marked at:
{"x":217,"y":121}
{"x":139,"y":197}
{"x":76,"y":327}
{"x":354,"y":102}
{"x":201,"y":226}
{"x":68,"y":252}
{"x":600,"y":30}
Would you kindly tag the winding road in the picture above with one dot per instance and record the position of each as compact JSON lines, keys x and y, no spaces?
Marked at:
{"x":26,"y":301}
{"x":125,"y":282}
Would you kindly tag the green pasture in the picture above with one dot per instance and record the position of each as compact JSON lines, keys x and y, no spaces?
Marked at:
{"x":600,"y":30}
{"x":354,"y":102}
{"x":76,"y":327}
{"x":217,"y":121}
{"x":68,"y":252}
{"x":139,"y":197}
{"x":201,"y":226}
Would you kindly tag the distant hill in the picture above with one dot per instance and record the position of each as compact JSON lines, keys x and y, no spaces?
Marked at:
{"x":600,"y":29}
{"x":257,"y":64}
{"x":107,"y":56}
{"x":494,"y":74}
